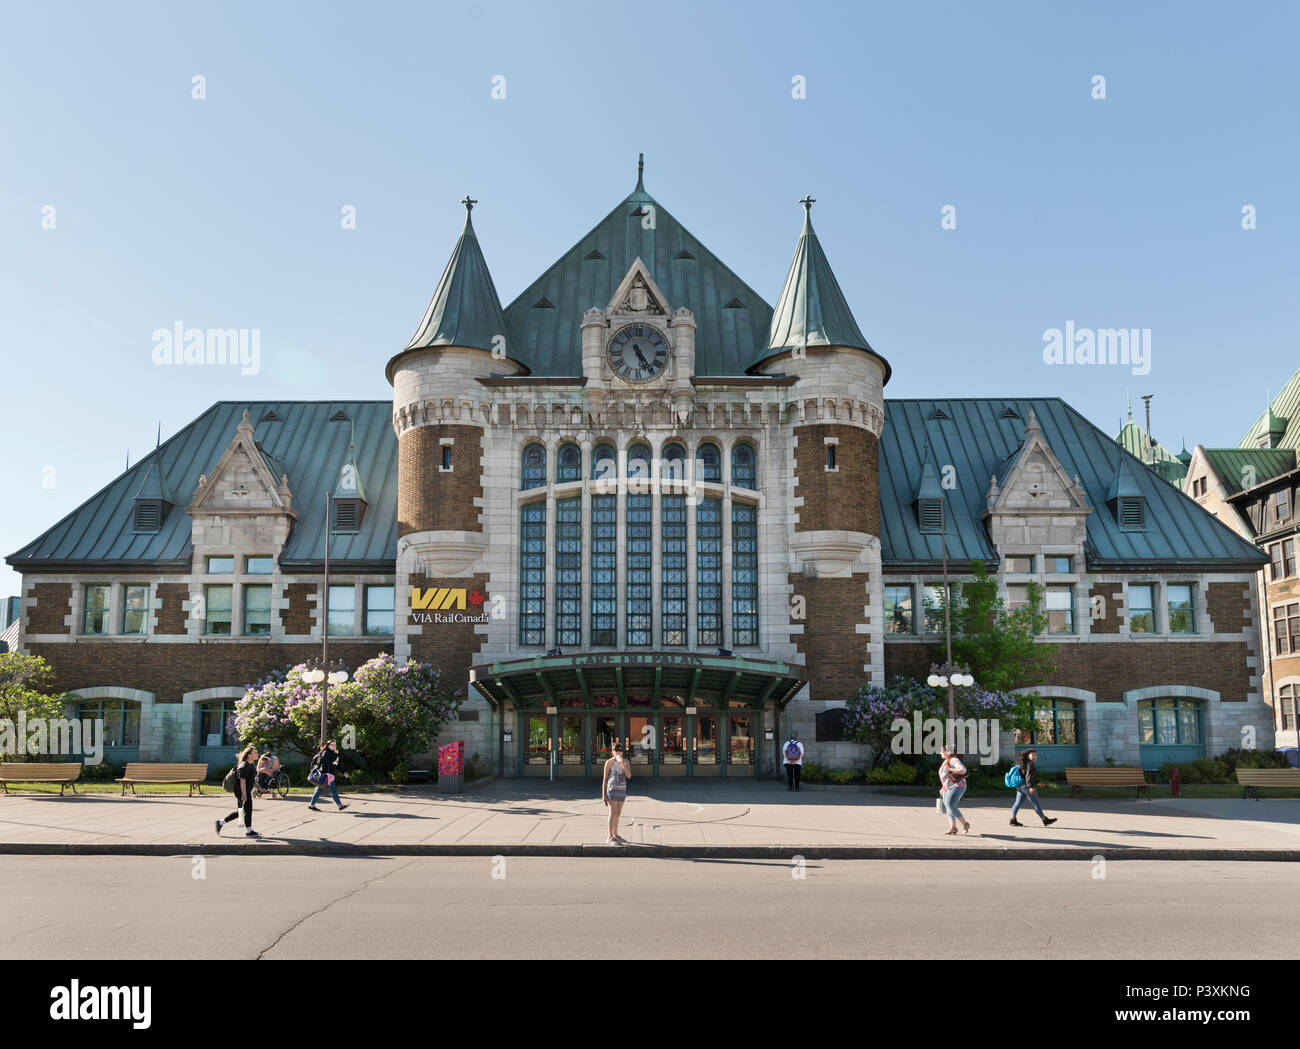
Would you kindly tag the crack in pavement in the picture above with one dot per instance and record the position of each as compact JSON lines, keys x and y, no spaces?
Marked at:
{"x":320,"y":910}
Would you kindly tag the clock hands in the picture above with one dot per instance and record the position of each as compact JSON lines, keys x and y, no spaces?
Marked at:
{"x":641,"y":357}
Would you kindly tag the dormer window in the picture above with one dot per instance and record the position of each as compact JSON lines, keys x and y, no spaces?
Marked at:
{"x":1132,"y":514}
{"x":348,"y":514}
{"x":929,"y":513}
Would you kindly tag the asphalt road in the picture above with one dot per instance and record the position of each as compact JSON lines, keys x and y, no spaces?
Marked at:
{"x":454,"y":907}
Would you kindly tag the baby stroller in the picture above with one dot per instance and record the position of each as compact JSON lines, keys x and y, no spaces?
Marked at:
{"x":274,"y":781}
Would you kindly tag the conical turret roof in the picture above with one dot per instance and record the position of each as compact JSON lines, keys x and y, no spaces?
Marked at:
{"x":465,"y":309}
{"x":812,"y":310}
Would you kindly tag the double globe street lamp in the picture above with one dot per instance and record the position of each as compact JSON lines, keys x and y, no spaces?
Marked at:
{"x":323,"y":673}
{"x":947,"y":676}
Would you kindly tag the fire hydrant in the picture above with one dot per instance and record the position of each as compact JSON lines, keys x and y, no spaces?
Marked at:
{"x":1174,"y":779}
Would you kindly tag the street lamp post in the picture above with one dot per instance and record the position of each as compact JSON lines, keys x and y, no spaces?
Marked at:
{"x":948,"y":675}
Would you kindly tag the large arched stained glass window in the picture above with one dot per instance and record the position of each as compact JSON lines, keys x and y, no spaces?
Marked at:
{"x":744,"y":573}
{"x":534,"y":467}
{"x":604,"y":567}
{"x":568,"y":571}
{"x":604,"y":463}
{"x":673,"y":567}
{"x":569,"y":465}
{"x":672,"y":462}
{"x":708,"y":569}
{"x":743,"y":466}
{"x":708,"y":463}
{"x":640,"y":533}
{"x":532,"y":573}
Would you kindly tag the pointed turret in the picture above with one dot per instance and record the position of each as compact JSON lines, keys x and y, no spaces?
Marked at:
{"x":465,"y":309}
{"x":812,"y":310}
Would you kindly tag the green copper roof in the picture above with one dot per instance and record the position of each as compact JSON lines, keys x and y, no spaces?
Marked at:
{"x":465,"y":309}
{"x":545,"y":320}
{"x":977,"y":436}
{"x":1282,"y":415}
{"x":1242,"y":468}
{"x":1167,"y":465}
{"x":811,"y":309}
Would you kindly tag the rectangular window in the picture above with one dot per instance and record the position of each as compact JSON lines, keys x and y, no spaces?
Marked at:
{"x":343,"y":610}
{"x":604,"y":570}
{"x":218,"y":601}
{"x":257,"y":610}
{"x":932,"y":601}
{"x":898,"y":610}
{"x":568,"y":571}
{"x":1286,"y":629}
{"x":1141,"y":608}
{"x":95,"y":617}
{"x":1281,"y":504}
{"x":1288,"y":557}
{"x":135,"y":609}
{"x":744,"y":573}
{"x":221,"y":565}
{"x":1060,"y":610}
{"x":1277,"y":571}
{"x":1058,"y":565}
{"x":532,"y":574}
{"x":1287,"y":706}
{"x":259,"y":565}
{"x":639,"y":567}
{"x":1017,"y":596}
{"x":379,"y":611}
{"x":674,"y":566}
{"x":708,"y":572}
{"x":446,"y":458}
{"x":1180,"y":609}
{"x":1019,"y":564}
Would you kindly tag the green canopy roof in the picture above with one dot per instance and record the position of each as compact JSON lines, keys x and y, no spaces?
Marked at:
{"x":812,"y":310}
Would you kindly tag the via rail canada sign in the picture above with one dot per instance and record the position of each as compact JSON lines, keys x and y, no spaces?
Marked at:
{"x":447,"y":605}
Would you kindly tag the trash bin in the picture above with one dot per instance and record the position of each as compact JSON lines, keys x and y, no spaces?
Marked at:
{"x":451,"y":768}
{"x":1292,"y":754}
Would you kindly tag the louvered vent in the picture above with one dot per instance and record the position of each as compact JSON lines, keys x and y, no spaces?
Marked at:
{"x":594,"y":254}
{"x":148,"y":516}
{"x":938,"y":413}
{"x":347,"y":515}
{"x":930,"y":513}
{"x":543,"y":304}
{"x":684,"y":254}
{"x":1132,"y":514}
{"x":1009,"y":413}
{"x":270,"y":417}
{"x":639,"y":213}
{"x":734,"y":304}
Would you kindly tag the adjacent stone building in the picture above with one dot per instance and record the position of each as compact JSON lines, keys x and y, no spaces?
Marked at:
{"x":641,"y":503}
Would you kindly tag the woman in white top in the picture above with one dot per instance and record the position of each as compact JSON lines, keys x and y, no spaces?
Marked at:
{"x":952,"y":779}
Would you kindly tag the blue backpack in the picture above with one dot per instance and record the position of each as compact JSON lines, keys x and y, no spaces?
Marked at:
{"x":1015,"y":777}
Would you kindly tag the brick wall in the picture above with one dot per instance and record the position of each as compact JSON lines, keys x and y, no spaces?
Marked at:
{"x":169,"y":670}
{"x":296,"y":616}
{"x":1113,"y":595}
{"x":1229,"y":606}
{"x":53,"y":604}
{"x":832,"y":649}
{"x":429,"y":500}
{"x":451,"y":647}
{"x":1110,"y":670}
{"x":171,"y":608}
{"x":846,"y":499}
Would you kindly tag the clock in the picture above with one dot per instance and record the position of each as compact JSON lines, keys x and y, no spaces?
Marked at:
{"x":638,"y":353}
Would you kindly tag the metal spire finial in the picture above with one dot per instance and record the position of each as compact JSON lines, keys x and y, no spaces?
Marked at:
{"x":640,"y":172}
{"x":469,"y":203}
{"x":807,"y":203}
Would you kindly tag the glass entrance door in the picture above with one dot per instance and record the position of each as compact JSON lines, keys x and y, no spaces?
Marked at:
{"x":740,"y":745}
{"x":572,"y":758}
{"x":672,"y":745}
{"x":537,"y":745}
{"x":640,"y":742}
{"x":704,"y":750}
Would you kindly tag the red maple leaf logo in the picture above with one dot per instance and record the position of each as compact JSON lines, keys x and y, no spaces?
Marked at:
{"x":477,"y":599}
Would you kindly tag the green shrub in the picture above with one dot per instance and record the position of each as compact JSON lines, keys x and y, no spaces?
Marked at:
{"x":814,"y":773}
{"x":101,"y":773}
{"x":900,"y":772}
{"x":1237,"y":758}
{"x":398,"y":773}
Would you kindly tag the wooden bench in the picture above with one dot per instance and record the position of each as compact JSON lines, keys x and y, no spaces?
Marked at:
{"x":1079,"y":778}
{"x":144,"y":772}
{"x":64,"y":773}
{"x":1252,"y":779}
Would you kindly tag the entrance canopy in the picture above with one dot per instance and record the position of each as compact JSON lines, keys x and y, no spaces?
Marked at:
{"x":595,"y":679}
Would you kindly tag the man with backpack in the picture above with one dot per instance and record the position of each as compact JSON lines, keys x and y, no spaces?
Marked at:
{"x":793,"y":754}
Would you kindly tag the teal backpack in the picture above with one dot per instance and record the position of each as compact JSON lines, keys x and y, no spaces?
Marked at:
{"x":1014,"y":777}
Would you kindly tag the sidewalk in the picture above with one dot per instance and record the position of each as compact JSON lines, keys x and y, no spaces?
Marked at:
{"x":735,"y":819}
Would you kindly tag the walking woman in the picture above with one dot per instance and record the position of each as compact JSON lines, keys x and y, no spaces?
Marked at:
{"x":952,"y":779}
{"x":245,"y":775}
{"x":327,"y":758}
{"x":1028,"y":789}
{"x":614,"y":790}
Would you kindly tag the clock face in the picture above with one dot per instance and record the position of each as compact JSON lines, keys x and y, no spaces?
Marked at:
{"x":638,"y":353}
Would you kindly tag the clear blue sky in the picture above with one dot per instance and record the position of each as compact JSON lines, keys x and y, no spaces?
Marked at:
{"x":225,"y":212}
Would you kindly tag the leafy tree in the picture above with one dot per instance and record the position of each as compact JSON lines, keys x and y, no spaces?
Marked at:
{"x":25,"y":689}
{"x":394,"y":712}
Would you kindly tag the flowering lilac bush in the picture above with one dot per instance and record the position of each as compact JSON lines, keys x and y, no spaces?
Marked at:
{"x":395,"y":711}
{"x":871,"y":712}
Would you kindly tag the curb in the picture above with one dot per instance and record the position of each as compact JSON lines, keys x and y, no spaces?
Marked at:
{"x":783,"y":853}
